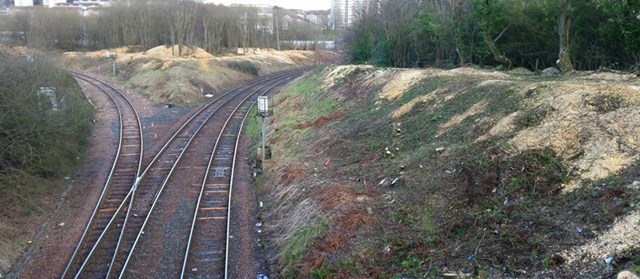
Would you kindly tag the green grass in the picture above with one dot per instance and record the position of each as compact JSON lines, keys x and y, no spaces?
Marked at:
{"x":323,"y":273}
{"x":306,"y":94}
{"x":295,"y":247}
{"x":417,"y":209}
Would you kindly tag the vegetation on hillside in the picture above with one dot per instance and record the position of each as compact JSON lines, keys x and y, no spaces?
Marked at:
{"x":570,"y":34}
{"x":417,"y":173}
{"x":45,"y":122}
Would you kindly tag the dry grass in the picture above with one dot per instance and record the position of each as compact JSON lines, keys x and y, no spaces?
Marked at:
{"x":9,"y":247}
{"x":606,"y":136}
{"x":457,"y":119}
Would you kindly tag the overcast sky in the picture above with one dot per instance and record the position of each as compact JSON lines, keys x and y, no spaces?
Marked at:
{"x":289,"y":4}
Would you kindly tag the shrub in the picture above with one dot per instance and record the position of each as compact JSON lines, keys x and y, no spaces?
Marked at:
{"x":245,"y":66}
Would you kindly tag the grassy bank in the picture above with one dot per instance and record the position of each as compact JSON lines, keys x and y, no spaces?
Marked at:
{"x":413,"y":173}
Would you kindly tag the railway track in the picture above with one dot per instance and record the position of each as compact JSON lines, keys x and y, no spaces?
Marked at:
{"x":207,"y":250}
{"x":111,"y":253}
{"x":161,"y":244}
{"x":124,"y":171}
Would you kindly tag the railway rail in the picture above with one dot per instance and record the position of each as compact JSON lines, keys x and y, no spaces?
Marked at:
{"x":112,"y":252}
{"x":124,"y":171}
{"x":208,"y":245}
{"x":208,"y":155}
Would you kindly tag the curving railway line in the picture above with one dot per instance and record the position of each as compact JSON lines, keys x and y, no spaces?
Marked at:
{"x":148,"y":235}
{"x":124,"y":172}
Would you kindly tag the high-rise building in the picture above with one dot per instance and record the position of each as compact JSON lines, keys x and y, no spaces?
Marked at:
{"x":345,"y":12}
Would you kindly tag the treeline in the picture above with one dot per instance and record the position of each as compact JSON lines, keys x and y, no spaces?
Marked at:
{"x":45,"y":122}
{"x":569,"y":34}
{"x":152,"y":23}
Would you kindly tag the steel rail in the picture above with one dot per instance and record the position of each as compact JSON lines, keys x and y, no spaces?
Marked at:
{"x":94,"y":82}
{"x":130,"y":195}
{"x":161,"y":191}
{"x":129,"y":200}
{"x":259,"y":92}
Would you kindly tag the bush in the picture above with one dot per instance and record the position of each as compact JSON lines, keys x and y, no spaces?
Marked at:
{"x":42,"y":134}
{"x":245,"y":66}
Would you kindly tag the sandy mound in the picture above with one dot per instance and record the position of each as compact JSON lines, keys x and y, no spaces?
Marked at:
{"x":520,"y":71}
{"x":585,"y":120}
{"x":407,"y":107}
{"x":457,"y":119}
{"x":400,"y":83}
{"x":622,"y":236}
{"x":171,"y":52}
{"x":339,"y":73}
{"x":475,"y":72}
{"x":164,"y":77}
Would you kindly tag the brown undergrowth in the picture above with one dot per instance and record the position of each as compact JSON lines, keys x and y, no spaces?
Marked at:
{"x":321,"y":121}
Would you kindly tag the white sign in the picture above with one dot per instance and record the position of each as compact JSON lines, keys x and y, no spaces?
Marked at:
{"x":48,"y":94}
{"x":263,"y":104}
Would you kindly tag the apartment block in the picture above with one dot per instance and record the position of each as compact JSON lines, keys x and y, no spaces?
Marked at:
{"x":345,"y":12}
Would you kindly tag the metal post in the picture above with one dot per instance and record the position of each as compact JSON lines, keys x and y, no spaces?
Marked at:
{"x":264,"y":128}
{"x":114,"y":65}
{"x":278,"y":32}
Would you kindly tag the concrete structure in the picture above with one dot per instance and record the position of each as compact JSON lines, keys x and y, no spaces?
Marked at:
{"x":23,"y":3}
{"x":345,"y":12}
{"x":53,"y":3}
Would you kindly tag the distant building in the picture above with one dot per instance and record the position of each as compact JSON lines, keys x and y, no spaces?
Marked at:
{"x":83,"y":5}
{"x":345,"y":12}
{"x":23,"y":3}
{"x":319,"y":18}
{"x":53,"y":3}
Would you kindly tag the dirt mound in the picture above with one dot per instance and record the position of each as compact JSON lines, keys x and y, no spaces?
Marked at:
{"x":593,"y":123}
{"x":167,"y":52}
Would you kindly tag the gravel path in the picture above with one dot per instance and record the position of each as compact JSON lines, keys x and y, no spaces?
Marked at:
{"x":246,"y":258}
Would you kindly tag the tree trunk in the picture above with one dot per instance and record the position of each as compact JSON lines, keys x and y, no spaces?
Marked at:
{"x":564,"y":24}
{"x":491,"y":42}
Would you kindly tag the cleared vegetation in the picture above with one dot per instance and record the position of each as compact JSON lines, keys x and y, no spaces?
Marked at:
{"x":465,"y":170}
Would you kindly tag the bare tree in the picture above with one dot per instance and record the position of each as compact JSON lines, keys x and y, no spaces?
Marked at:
{"x":181,"y":22}
{"x":564,"y":25}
